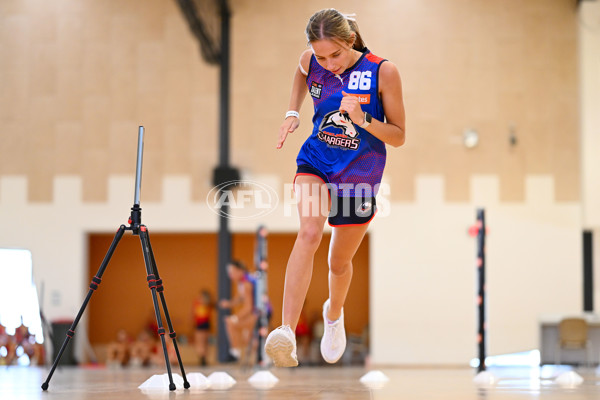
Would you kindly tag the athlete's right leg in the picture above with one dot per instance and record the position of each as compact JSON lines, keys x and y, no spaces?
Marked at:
{"x":233,"y":335}
{"x":313,"y":209}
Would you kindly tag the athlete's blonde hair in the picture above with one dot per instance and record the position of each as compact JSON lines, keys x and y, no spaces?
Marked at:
{"x":333,"y":25}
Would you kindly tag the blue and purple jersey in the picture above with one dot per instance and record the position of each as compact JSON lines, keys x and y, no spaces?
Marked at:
{"x":347,"y":154}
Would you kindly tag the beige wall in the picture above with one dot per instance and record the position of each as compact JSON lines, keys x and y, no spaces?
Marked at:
{"x":78,"y":77}
{"x":589,"y":70}
{"x":424,"y":264}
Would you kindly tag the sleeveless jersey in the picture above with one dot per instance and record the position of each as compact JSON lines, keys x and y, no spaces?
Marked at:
{"x":201,"y":312}
{"x":347,"y":154}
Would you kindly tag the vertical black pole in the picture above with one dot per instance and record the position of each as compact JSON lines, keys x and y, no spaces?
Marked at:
{"x":224,"y":285}
{"x":481,"y":286}
{"x":588,"y":272}
{"x":224,"y":87}
{"x":261,"y":301}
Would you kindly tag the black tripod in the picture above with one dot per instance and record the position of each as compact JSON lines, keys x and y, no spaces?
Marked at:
{"x":154,"y":281}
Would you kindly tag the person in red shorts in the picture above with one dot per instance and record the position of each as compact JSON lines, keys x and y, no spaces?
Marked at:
{"x":202,"y":310}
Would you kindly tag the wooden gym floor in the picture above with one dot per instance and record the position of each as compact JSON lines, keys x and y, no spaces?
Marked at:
{"x":305,"y":383}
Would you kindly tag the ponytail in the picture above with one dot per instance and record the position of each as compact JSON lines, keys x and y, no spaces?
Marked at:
{"x":359,"y":43}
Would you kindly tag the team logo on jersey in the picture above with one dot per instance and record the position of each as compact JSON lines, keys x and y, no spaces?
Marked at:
{"x":364,"y":209}
{"x":315,"y":89}
{"x":345,"y":137}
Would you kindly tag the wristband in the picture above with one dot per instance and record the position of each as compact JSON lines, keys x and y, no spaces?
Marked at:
{"x":292,"y":114}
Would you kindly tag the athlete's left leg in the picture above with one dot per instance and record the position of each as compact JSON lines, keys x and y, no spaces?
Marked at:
{"x":342,"y":248}
{"x":344,"y":243}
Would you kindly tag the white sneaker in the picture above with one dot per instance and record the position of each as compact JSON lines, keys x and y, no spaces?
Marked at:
{"x":235,"y":353}
{"x":333,"y":342}
{"x":280,"y":346}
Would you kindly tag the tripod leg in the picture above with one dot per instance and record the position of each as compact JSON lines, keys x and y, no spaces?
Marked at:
{"x":93,"y":286}
{"x":152,"y":284}
{"x":160,"y":289}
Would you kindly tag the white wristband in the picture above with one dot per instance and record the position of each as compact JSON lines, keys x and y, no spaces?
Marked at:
{"x":292,"y":114}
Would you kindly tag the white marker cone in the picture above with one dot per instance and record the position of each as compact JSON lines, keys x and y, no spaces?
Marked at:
{"x":220,"y":380}
{"x":374,"y":379}
{"x":263,"y":380}
{"x":569,"y":379}
{"x":161,"y":382}
{"x":198,"y":381}
{"x":485,"y":378}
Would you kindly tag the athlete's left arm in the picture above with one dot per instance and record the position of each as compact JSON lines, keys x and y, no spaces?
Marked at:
{"x":392,"y":131}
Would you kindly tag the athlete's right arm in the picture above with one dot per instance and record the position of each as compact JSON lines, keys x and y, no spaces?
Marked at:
{"x":299,"y":90}
{"x":247,"y":301}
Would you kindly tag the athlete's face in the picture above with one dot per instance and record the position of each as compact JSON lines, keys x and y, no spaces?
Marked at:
{"x":332,"y":55}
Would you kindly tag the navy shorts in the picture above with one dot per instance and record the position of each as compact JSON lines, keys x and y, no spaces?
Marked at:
{"x":357,"y":210}
{"x":203,"y":326}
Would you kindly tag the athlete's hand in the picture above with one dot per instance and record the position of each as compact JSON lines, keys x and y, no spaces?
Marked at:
{"x":224,"y":303}
{"x":290,"y":124}
{"x":352,"y":107}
